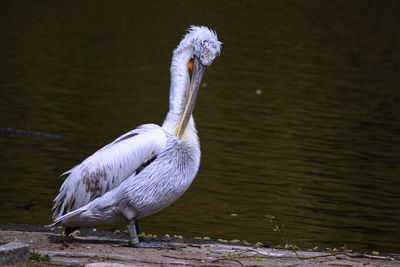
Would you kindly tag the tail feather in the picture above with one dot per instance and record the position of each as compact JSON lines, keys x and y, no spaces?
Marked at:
{"x":63,"y":203}
{"x":65,"y":219}
{"x":65,"y":200}
{"x":104,"y":209}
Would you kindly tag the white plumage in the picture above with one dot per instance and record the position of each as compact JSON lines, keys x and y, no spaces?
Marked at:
{"x":148,"y":168}
{"x":108,"y":167}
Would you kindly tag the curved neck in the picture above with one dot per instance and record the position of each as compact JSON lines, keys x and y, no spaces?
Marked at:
{"x":178,"y":91}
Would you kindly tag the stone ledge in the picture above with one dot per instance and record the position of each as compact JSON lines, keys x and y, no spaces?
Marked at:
{"x":14,"y":252}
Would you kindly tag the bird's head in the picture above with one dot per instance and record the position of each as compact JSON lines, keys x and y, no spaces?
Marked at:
{"x":200,"y":46}
{"x":206,"y":46}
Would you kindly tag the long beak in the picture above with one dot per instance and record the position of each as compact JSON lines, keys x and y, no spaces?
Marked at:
{"x":197,"y":75}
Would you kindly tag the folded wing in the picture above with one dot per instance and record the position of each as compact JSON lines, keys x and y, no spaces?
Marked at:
{"x":108,"y":167}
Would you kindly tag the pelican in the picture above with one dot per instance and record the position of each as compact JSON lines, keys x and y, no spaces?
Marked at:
{"x":148,"y":168}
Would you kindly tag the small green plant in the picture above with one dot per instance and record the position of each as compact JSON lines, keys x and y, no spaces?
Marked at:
{"x":277,"y":228}
{"x":231,"y":255}
{"x":35,"y":256}
{"x":292,"y":247}
{"x":281,"y":230}
{"x":258,"y":258}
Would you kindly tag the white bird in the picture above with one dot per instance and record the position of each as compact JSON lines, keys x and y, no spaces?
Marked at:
{"x":148,"y":168}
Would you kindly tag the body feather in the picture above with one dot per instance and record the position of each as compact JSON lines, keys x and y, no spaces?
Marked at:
{"x":158,"y":185}
{"x":108,"y":167}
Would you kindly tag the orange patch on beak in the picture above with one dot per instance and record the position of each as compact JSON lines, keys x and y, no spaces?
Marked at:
{"x":190,"y":65}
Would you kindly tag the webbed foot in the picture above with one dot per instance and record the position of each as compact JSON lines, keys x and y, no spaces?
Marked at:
{"x":151,"y":245}
{"x":133,"y":242}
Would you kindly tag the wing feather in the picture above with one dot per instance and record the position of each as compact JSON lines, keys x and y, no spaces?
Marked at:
{"x":108,"y":167}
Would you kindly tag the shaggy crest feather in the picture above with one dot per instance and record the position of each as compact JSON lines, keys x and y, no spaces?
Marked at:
{"x":200,"y":35}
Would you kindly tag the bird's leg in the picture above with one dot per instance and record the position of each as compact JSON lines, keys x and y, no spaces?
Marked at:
{"x":139,"y":231}
{"x":70,"y":230}
{"x":134,"y":229}
{"x":133,"y":238}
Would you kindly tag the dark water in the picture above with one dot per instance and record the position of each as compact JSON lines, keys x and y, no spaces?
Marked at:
{"x":298,"y":118}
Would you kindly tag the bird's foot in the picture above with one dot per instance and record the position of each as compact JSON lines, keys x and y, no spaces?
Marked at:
{"x":133,"y":242}
{"x":151,"y":245}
